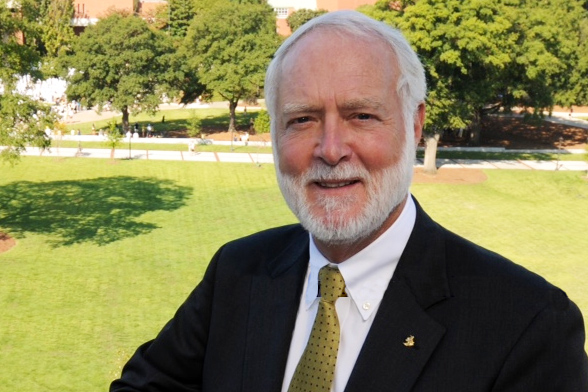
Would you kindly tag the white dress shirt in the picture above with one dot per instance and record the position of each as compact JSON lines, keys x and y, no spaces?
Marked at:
{"x":366,"y":276}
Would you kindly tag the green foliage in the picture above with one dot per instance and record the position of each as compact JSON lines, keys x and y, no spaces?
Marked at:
{"x":113,"y":136}
{"x":301,"y":16}
{"x":465,"y":47}
{"x":194,"y":125}
{"x":22,"y":121}
{"x":122,"y":61}
{"x":18,"y":57}
{"x":262,"y":122}
{"x":229,"y":47}
{"x":57,"y":33}
{"x":181,"y":13}
{"x":481,"y":55}
{"x":551,"y":54}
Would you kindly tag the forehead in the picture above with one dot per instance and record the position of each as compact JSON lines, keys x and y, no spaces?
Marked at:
{"x":326,"y":62}
{"x":314,"y":46}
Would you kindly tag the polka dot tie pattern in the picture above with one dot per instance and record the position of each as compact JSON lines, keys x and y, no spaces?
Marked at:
{"x":316,"y":370}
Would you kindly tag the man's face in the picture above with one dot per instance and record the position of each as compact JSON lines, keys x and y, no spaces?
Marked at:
{"x":344,"y":163}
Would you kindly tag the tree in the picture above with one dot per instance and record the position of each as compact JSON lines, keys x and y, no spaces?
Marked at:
{"x":484,"y":55}
{"x":56,"y":31}
{"x":22,"y":121}
{"x":549,"y":58}
{"x":229,"y":47}
{"x":301,"y":16}
{"x":262,"y":123}
{"x":181,"y":13}
{"x":194,"y":125}
{"x":113,"y":137}
{"x":122,"y":61}
{"x":57,"y":34}
{"x":464,"y":46}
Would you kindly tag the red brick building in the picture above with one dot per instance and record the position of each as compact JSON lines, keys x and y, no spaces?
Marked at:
{"x":88,"y":12}
{"x":284,"y":8}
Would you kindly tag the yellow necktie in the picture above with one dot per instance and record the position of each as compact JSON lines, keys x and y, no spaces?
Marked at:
{"x":316,"y":370}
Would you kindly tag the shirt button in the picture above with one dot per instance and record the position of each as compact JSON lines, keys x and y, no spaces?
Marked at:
{"x":366,"y":306}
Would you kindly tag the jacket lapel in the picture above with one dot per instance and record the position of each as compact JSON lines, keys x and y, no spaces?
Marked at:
{"x":419,"y":282}
{"x":275,"y":297}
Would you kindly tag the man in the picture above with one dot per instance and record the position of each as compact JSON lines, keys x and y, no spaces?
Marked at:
{"x":422,"y":309}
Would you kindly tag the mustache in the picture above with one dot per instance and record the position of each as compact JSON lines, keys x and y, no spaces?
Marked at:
{"x":344,"y":171}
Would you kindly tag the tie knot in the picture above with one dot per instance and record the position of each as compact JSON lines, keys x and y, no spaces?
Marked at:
{"x":332,"y":285}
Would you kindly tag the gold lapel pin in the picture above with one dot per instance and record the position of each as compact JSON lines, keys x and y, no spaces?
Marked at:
{"x":409,"y":341}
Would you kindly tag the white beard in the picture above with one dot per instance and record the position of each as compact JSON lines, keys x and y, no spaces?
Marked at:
{"x":386,"y":189}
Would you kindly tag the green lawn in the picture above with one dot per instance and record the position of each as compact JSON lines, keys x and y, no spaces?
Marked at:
{"x":173,"y":120}
{"x":107,"y":251}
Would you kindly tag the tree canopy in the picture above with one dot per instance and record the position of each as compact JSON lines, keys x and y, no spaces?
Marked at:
{"x":22,"y":121}
{"x":301,"y":16}
{"x":229,"y":47}
{"x":57,"y":34}
{"x":181,"y":13}
{"x":482,"y":55}
{"x":122,"y":61}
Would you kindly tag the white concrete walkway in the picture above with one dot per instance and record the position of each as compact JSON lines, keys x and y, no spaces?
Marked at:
{"x":254,"y":158}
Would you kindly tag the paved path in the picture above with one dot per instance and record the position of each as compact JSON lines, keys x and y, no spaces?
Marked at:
{"x":253,"y":158}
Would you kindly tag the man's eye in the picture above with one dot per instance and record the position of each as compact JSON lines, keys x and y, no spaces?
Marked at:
{"x":299,"y":120}
{"x":364,"y":116}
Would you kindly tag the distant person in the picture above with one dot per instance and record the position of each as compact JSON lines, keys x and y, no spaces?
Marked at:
{"x":245,"y":138}
{"x":368,"y":293}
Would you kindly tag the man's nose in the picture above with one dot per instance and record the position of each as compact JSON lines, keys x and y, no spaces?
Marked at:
{"x":333,"y":146}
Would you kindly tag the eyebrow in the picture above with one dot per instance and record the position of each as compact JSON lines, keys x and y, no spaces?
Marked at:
{"x":291,"y":108}
{"x":359,"y":103}
{"x":351,"y":104}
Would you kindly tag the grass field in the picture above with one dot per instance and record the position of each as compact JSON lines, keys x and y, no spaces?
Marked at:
{"x":107,"y":251}
{"x":173,"y":120}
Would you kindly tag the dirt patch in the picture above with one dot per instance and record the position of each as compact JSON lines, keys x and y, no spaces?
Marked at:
{"x":6,"y":242}
{"x":520,"y":134}
{"x":449,"y":176}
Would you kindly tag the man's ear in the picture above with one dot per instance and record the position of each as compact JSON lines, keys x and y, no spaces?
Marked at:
{"x":419,"y":122}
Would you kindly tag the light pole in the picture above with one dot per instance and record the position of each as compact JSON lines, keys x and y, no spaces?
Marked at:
{"x":559,"y":152}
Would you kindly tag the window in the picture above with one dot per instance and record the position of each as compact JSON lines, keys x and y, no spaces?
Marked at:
{"x":281,"y":12}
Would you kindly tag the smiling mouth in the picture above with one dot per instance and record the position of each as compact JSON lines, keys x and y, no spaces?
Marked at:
{"x":335,"y":184}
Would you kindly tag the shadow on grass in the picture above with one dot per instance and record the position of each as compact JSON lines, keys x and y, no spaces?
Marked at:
{"x":99,"y":211}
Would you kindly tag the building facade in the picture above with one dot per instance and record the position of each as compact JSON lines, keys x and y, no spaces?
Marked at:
{"x":87,"y":12}
{"x":284,"y":8}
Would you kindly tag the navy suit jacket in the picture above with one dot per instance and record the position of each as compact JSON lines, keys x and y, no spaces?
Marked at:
{"x":479,"y":321}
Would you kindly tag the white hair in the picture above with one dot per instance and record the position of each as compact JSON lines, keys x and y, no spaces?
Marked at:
{"x":411,"y":86}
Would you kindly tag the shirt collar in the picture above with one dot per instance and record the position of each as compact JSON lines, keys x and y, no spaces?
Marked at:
{"x":368,"y":272}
